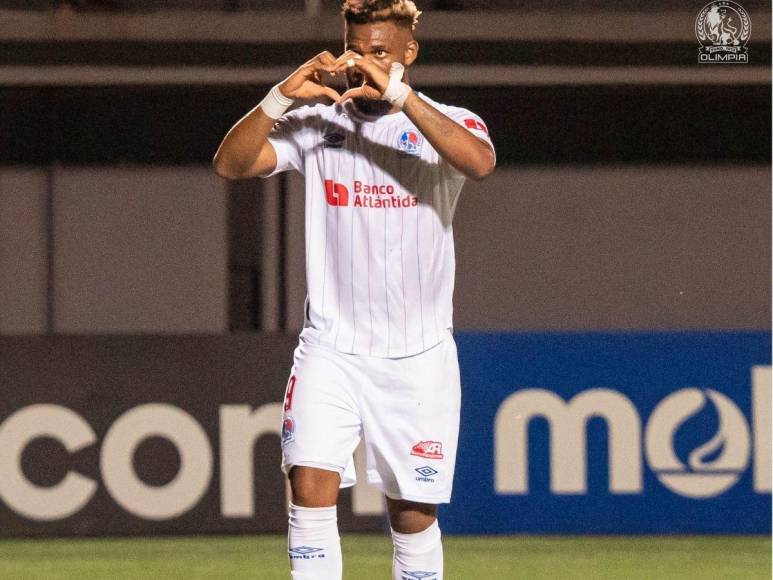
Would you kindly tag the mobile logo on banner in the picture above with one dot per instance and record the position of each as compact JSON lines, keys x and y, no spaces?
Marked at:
{"x":710,"y":469}
{"x":613,"y":433}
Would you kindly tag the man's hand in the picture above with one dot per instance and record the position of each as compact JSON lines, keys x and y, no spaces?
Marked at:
{"x":245,"y":150}
{"x":374,"y":78}
{"x":306,"y":82}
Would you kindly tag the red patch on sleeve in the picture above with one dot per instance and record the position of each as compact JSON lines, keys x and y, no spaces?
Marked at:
{"x":474,"y":124}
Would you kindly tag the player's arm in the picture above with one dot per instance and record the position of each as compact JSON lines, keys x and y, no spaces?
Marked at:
{"x":245,"y":151}
{"x":470,"y":155}
{"x":467,"y":153}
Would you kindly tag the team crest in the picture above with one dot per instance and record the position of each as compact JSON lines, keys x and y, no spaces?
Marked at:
{"x":410,"y":142}
{"x":288,"y":430}
{"x":723,"y":29}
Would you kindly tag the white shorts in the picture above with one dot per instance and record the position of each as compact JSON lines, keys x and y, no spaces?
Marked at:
{"x":406,"y":410}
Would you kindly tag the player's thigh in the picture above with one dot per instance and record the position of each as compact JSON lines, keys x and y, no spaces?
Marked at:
{"x":412,"y":426}
{"x":321,"y":423}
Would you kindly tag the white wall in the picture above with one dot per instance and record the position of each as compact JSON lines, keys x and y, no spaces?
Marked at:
{"x":635,"y":248}
{"x":605,"y":248}
{"x":23,"y":258}
{"x":136,"y":250}
{"x":140,"y":250}
{"x":538,"y":248}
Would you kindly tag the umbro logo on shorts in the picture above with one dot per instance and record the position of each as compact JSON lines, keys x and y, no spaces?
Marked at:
{"x":428,"y":449}
{"x":426,"y":473}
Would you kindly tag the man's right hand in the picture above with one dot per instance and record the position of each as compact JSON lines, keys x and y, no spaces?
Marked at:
{"x":306,"y":82}
{"x":245,"y":151}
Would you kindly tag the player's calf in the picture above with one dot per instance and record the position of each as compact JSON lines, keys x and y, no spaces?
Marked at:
{"x":418,"y":551}
{"x":313,"y":543}
{"x":418,"y":556}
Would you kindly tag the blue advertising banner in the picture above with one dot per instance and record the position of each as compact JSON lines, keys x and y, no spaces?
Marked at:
{"x":613,"y":433}
{"x":561,"y":433}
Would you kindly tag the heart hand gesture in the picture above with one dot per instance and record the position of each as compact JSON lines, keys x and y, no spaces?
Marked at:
{"x":306,"y":82}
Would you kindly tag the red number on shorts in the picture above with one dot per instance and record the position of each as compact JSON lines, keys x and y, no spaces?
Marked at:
{"x":289,"y":395}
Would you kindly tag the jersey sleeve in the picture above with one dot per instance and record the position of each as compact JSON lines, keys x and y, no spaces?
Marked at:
{"x":473,"y":123}
{"x":286,"y":138}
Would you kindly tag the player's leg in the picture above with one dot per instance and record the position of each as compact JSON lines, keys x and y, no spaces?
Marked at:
{"x":418,"y":551}
{"x":314,"y":488}
{"x":313,"y":543}
{"x":411,"y":428}
{"x":409,"y":517}
{"x":321,"y":428}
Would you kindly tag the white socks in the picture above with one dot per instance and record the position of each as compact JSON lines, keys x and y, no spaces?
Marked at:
{"x":418,"y":556}
{"x":313,"y":544}
{"x":314,"y":548}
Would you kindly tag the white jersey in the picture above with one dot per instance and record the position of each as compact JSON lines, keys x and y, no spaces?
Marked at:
{"x":380,"y":260}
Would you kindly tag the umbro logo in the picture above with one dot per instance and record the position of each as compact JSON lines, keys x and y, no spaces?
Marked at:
{"x":426,"y":471}
{"x":306,"y":553}
{"x":333,"y":141}
{"x":305,"y":550}
{"x":418,"y":575}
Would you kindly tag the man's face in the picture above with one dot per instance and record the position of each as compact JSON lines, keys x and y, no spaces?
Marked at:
{"x":380,"y":42}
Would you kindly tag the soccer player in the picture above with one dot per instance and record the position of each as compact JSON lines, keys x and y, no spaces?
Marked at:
{"x":384,"y":166}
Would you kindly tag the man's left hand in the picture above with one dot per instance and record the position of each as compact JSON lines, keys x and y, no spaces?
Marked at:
{"x":375,"y":79}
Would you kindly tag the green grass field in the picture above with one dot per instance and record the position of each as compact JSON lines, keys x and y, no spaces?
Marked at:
{"x":369,"y":556}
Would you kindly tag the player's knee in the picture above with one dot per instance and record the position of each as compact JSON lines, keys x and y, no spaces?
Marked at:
{"x":312,"y":487}
{"x":407,"y":517}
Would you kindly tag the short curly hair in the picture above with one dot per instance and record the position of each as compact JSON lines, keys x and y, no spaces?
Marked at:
{"x":403,"y":12}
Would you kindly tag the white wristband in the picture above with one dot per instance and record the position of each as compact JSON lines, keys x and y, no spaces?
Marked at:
{"x":397,"y":91}
{"x":275,"y":103}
